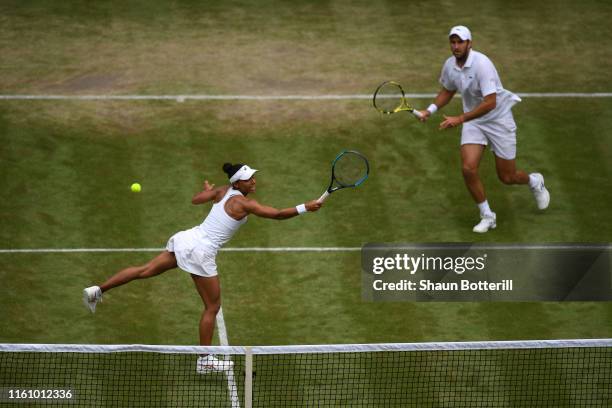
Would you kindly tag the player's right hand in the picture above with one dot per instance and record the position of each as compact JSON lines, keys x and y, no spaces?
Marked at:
{"x":425,"y":114}
{"x":313,"y":205}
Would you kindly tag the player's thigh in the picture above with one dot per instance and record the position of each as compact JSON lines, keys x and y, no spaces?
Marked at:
{"x":471,"y":154}
{"x":473,"y":142}
{"x":506,"y":168}
{"x":209,"y":289}
{"x":161,"y":263}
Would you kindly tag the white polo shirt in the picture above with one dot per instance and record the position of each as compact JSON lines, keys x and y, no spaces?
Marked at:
{"x":475,"y":80}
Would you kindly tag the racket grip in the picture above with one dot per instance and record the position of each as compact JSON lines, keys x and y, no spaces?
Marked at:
{"x":417,"y":114}
{"x":323,"y":197}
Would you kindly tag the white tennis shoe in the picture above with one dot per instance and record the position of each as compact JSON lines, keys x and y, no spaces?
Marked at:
{"x":211,"y":364}
{"x":486,"y":223}
{"x":541,"y":194}
{"x":91,"y":296}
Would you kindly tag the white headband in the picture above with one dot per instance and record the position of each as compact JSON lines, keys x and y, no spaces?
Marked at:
{"x":244,"y":173}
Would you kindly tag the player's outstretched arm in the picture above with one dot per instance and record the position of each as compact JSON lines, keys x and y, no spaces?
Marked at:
{"x":264,"y":211}
{"x":441,"y":100}
{"x":208,"y":193}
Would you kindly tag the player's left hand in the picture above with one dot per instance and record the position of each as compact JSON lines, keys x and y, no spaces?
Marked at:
{"x":207,"y":187}
{"x":451,"y":121}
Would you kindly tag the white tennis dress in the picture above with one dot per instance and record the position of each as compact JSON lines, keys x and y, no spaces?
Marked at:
{"x":196,"y":249}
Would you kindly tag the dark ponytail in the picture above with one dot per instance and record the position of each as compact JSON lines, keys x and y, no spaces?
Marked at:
{"x":231,"y":169}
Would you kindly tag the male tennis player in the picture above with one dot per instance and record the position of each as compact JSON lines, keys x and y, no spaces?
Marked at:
{"x":195,"y":250}
{"x":486,"y":119}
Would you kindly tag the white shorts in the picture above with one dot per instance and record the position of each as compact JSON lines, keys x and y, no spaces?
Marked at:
{"x":501,"y":133}
{"x":193,"y":253}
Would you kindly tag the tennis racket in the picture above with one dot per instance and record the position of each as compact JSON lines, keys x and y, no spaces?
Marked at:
{"x":390,"y":98}
{"x":349,"y":169}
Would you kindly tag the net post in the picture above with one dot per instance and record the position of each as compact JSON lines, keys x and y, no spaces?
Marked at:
{"x":248,"y":377}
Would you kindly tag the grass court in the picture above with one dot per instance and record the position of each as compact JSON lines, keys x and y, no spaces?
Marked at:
{"x":66,"y":166}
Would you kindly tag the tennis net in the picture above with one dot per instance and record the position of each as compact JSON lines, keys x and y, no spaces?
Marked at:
{"x":550,"y":373}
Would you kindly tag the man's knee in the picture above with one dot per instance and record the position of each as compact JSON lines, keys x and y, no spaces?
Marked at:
{"x":469,"y":171}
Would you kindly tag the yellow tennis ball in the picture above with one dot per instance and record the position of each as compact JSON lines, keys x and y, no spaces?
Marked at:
{"x":135,"y":188}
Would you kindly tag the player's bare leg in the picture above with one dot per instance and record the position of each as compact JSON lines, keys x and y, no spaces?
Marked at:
{"x":471,"y":154}
{"x":210,"y":292}
{"x":161,"y":263}
{"x":507,"y":172}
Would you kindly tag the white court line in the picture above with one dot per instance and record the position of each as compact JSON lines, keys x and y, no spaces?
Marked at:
{"x":597,"y":246}
{"x":182,"y":98}
{"x":221,"y":329}
{"x":235,"y":249}
{"x":223,"y":341}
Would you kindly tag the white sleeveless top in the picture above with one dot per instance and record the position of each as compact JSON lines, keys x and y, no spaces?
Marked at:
{"x":218,"y":226}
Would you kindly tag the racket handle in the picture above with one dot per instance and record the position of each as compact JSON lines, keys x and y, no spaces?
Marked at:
{"x":417,"y":114}
{"x":323,"y":197}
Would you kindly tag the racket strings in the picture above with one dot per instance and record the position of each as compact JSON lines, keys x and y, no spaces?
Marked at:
{"x":350,"y":169}
{"x":388,"y":97}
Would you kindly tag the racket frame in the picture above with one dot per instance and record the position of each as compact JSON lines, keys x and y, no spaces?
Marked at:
{"x":403,"y":105}
{"x":340,"y":186}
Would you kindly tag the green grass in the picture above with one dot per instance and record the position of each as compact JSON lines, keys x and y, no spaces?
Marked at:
{"x":66,"y":166}
{"x":69,"y":177}
{"x":67,"y":186}
{"x":275,"y":47}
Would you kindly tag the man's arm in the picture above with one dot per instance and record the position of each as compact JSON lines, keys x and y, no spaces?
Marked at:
{"x":442,"y":99}
{"x":487,"y":105}
{"x":264,"y":211}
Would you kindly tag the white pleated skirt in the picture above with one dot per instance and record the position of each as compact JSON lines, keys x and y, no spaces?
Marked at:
{"x":194,"y":253}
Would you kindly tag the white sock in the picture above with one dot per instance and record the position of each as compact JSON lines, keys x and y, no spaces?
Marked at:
{"x":533,"y":181}
{"x":484,"y":208}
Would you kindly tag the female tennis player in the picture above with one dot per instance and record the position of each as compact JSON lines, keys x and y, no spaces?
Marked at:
{"x":195,"y":250}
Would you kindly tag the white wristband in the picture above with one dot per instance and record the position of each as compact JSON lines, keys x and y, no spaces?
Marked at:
{"x":432,"y":108}
{"x":301,"y":209}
